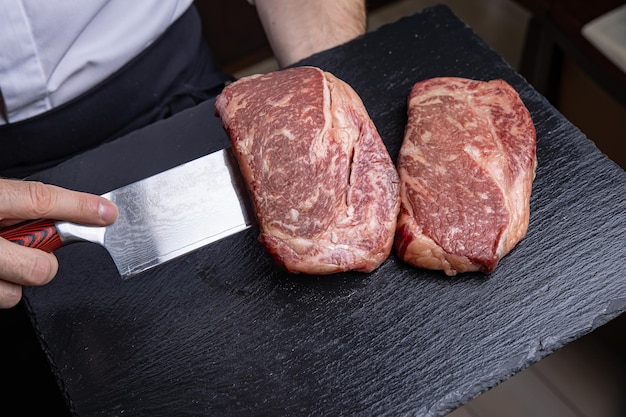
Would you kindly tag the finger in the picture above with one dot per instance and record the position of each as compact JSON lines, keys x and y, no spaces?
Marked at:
{"x":21,"y":266}
{"x":10,"y":294}
{"x":34,"y":200}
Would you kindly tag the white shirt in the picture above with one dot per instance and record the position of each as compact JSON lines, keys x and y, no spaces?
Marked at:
{"x":51,"y":51}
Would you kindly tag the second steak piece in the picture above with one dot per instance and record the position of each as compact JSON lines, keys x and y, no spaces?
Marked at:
{"x":466,"y":167}
{"x":323,"y":186}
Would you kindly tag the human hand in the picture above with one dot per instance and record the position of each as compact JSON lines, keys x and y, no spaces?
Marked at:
{"x":28,"y":200}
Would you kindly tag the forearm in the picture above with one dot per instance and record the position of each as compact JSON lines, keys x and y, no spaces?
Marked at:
{"x":299,"y":28}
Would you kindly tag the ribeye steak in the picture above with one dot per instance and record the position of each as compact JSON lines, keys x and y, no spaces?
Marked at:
{"x":323,"y":186}
{"x":466,"y":168}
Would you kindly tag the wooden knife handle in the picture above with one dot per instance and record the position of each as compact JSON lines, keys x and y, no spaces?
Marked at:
{"x":39,"y":234}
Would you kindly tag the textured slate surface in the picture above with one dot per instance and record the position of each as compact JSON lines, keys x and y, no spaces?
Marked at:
{"x":222,"y":332}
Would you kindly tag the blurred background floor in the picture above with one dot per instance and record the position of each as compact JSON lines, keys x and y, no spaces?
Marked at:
{"x":587,"y":378}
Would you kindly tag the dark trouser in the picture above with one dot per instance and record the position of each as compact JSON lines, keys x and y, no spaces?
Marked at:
{"x":176,"y":72}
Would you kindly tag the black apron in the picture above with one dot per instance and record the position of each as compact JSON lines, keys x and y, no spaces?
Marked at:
{"x":175,"y":72}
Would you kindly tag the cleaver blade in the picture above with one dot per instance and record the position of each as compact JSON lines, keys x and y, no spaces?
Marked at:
{"x":160,"y":218}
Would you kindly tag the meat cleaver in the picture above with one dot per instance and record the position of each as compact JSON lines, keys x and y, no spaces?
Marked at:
{"x":160,"y":218}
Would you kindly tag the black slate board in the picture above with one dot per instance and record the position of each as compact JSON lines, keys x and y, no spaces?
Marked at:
{"x":222,"y":332}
